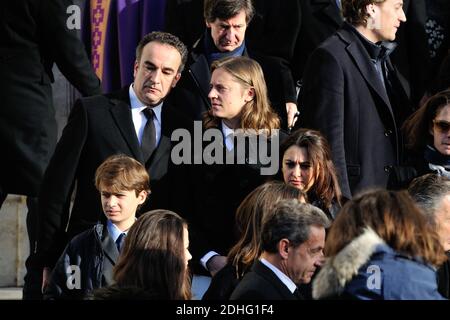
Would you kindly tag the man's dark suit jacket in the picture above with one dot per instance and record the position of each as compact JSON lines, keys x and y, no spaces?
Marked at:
{"x":99,"y":127}
{"x":345,"y":99}
{"x":191,"y":92}
{"x":219,"y":189}
{"x":34,"y":36}
{"x":261,"y":284}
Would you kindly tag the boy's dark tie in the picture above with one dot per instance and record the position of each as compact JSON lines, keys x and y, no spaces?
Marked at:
{"x":120,"y":240}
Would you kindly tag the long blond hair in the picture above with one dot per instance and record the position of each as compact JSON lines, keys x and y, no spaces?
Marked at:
{"x":256,"y":114}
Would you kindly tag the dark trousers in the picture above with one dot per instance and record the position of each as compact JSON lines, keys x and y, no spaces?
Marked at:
{"x":33,"y":277}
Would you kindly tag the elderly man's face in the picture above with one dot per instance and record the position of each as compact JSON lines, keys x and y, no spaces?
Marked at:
{"x":228,"y":34}
{"x":443,"y":222}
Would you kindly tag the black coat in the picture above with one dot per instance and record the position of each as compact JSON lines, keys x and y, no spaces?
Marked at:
{"x":261,"y":284}
{"x":218,"y":191}
{"x":31,"y":43}
{"x":95,"y":254}
{"x":345,"y":99}
{"x":222,"y":284}
{"x":99,"y":127}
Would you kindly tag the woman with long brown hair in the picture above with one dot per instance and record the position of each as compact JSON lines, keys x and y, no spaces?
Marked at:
{"x":153,"y":263}
{"x":305,"y":163}
{"x":380,"y":247}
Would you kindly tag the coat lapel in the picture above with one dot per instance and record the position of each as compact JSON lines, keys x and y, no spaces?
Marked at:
{"x":109,"y":247}
{"x":111,"y":255}
{"x":362,"y":61}
{"x":121,"y":112}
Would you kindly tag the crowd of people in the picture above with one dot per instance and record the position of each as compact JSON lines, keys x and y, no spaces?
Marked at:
{"x":358,"y":208}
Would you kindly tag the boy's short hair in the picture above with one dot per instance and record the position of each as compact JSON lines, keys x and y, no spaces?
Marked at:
{"x":120,"y":172}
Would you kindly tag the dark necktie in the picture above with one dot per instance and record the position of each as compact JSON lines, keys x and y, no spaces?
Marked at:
{"x":120,"y":240}
{"x":148,"y":143}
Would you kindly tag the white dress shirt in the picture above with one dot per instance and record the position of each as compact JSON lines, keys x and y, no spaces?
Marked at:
{"x":140,"y":120}
{"x":228,"y":135}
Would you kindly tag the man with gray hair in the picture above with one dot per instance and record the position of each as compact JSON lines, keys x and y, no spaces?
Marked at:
{"x":292,"y":243}
{"x":432,"y":194}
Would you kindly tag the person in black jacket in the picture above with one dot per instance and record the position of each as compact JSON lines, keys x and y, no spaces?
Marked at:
{"x":135,"y":121}
{"x":354,"y":97}
{"x":241,"y":123}
{"x":431,"y":192}
{"x":31,"y":44}
{"x":88,"y":260}
{"x":292,"y":242}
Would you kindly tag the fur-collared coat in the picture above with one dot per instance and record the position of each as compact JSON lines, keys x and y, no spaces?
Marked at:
{"x":369,"y":269}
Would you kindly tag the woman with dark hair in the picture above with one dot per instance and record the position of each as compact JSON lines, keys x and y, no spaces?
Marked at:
{"x":153,"y":263}
{"x":380,"y":247}
{"x":427,"y":134}
{"x":255,"y":208}
{"x":306,"y":164}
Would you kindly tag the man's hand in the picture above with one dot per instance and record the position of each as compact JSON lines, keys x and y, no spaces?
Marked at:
{"x":45,"y":278}
{"x":292,"y":114}
{"x":215,"y":264}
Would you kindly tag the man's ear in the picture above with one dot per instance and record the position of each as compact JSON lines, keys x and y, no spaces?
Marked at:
{"x":135,"y":68}
{"x":176,"y":79}
{"x":283,"y":248}
{"x":142,"y":196}
{"x":370,"y":9}
{"x":208,"y":25}
{"x":250,"y":94}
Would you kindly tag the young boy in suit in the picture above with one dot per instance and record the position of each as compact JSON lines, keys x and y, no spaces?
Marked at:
{"x":87,"y":261}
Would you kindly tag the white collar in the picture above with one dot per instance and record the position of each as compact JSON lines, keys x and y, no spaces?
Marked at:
{"x":226,"y":130}
{"x":283,"y":278}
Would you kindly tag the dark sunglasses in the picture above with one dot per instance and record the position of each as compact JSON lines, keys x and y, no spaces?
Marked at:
{"x":442,"y":126}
